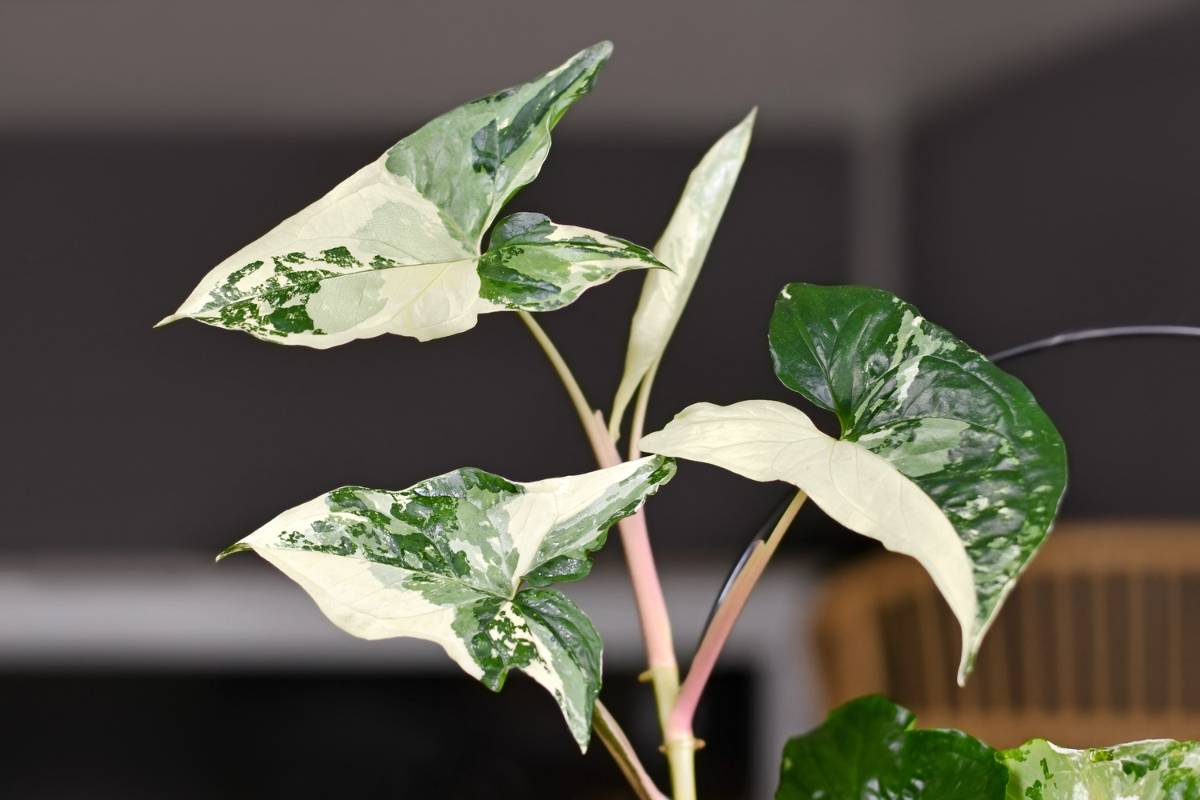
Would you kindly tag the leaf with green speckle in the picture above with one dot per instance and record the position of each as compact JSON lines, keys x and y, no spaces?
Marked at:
{"x":463,"y":560}
{"x":533,"y":264}
{"x":942,"y":455}
{"x":1151,"y":770}
{"x":396,"y":247}
{"x":870,"y":749}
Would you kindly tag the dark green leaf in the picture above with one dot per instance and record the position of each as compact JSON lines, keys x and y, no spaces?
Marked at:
{"x":869,"y":750}
{"x":971,"y":436}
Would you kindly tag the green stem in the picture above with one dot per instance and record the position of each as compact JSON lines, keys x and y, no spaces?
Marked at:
{"x":639,"y":412}
{"x":681,"y":756}
{"x":619,"y":746}
{"x":679,"y":723}
{"x":681,"y":751}
{"x":582,"y":408}
{"x":647,"y":590}
{"x":635,"y":539}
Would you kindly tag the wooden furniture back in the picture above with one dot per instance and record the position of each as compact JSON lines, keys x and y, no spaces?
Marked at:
{"x":1099,"y":643}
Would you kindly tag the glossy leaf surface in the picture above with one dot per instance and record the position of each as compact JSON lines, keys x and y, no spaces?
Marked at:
{"x":533,"y":264}
{"x":396,"y":247}
{"x":869,"y":749}
{"x":1151,"y":770}
{"x":683,"y":246}
{"x":970,"y":435}
{"x":461,"y":560}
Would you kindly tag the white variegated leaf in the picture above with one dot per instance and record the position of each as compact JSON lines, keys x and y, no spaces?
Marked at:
{"x":682,"y":247}
{"x":1152,"y":769}
{"x":769,"y":441}
{"x":942,"y":455}
{"x":396,"y":247}
{"x":461,"y":560}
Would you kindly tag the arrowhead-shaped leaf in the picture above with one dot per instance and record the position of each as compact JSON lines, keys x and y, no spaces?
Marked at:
{"x":869,"y":748}
{"x":683,"y":246}
{"x":448,"y":560}
{"x":943,"y":456}
{"x":968,"y":433}
{"x":768,"y":441}
{"x":395,"y":247}
{"x":1158,"y":769}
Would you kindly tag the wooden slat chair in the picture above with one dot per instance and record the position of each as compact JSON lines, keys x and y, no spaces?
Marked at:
{"x":1099,"y":643}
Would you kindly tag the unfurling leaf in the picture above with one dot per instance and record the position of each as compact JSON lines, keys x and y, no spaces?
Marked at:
{"x":942,"y":456}
{"x":869,"y":748}
{"x":396,"y":247}
{"x":683,"y":246}
{"x":460,"y":560}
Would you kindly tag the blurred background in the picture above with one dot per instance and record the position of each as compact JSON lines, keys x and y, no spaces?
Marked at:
{"x":1016,"y":169}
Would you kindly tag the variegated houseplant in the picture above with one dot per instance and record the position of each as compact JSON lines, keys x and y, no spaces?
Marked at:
{"x":941,"y":455}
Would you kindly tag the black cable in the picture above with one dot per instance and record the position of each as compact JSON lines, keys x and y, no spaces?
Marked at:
{"x":1089,"y":334}
{"x":764,"y":531}
{"x":1036,"y":346}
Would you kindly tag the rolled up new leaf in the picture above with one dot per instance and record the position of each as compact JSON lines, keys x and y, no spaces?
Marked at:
{"x":461,"y":560}
{"x":942,"y":455}
{"x":396,"y":247}
{"x":683,"y":246}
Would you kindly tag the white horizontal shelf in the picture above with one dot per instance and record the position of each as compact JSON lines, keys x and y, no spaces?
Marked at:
{"x":180,"y":611}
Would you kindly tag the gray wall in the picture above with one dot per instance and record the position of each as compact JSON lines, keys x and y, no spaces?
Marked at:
{"x":190,"y":436}
{"x":369,"y":64}
{"x":1019,"y":167}
{"x":1058,"y":197}
{"x":1068,"y":198}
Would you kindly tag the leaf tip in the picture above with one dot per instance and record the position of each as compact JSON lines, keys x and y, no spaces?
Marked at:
{"x":601,"y":49}
{"x":654,"y":262}
{"x":236,"y":547}
{"x":595,"y":56}
{"x":966,"y":664}
{"x":167,"y":320}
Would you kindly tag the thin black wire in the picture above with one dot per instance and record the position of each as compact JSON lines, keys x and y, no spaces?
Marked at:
{"x":761,"y":535}
{"x":1029,"y":348}
{"x":1090,"y":334}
